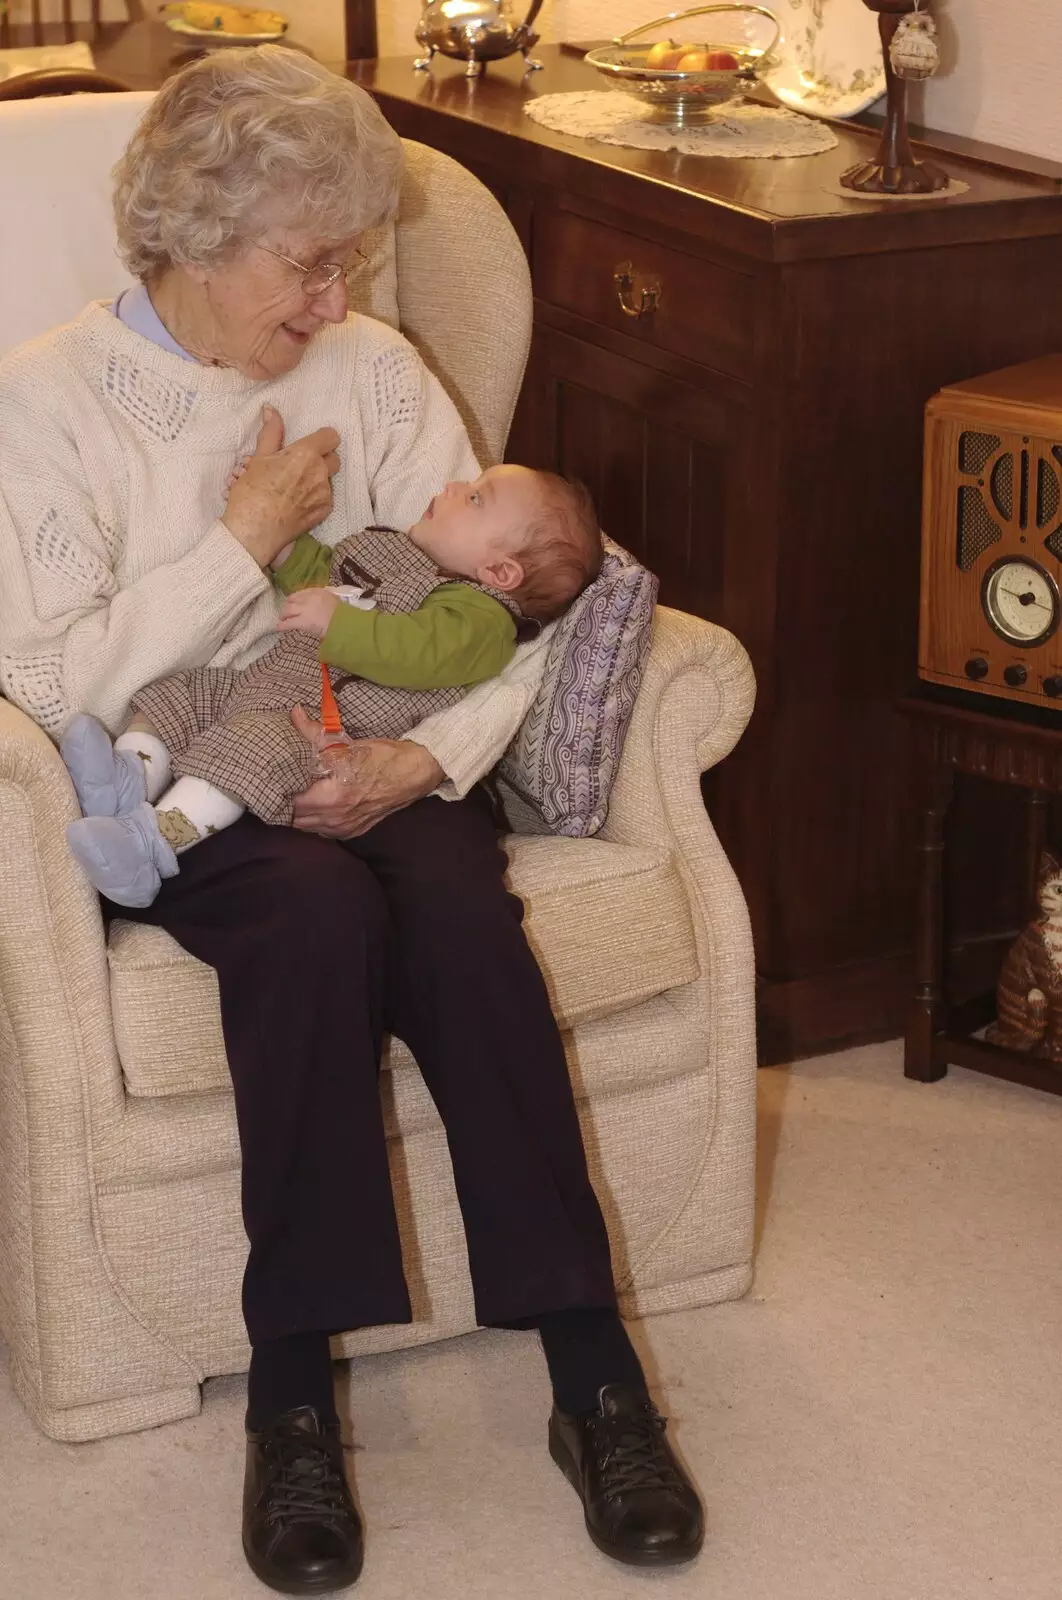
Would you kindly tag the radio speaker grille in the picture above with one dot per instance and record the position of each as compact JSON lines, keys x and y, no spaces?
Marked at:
{"x":975,"y":449}
{"x":977,"y":530}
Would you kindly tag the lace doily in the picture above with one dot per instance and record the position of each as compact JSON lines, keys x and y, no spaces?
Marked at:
{"x":734,"y":130}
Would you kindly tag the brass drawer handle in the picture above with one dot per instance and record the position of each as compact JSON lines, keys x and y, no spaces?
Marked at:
{"x":638,"y":296}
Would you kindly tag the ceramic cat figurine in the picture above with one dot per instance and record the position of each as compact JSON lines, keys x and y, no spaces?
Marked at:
{"x":1029,"y":994}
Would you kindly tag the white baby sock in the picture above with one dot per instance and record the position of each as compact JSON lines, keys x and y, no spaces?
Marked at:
{"x":193,"y":809}
{"x":156,"y":758}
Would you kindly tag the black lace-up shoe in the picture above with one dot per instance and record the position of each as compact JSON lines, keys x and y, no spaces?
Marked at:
{"x":301,"y":1530}
{"x":639,"y":1505}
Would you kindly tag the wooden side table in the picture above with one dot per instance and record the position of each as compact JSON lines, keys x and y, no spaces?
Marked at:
{"x":1017,"y":745}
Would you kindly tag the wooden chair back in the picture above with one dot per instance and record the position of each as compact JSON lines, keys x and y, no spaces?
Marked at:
{"x":61,"y":80}
{"x":37,"y":30}
{"x":360,"y":16}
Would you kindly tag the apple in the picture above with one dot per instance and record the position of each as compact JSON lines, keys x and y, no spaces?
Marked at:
{"x":722,"y":61}
{"x":694,"y":61}
{"x":664,"y":54}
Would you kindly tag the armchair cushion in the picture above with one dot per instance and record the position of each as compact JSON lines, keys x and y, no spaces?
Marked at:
{"x":565,"y":757}
{"x":609,"y":923}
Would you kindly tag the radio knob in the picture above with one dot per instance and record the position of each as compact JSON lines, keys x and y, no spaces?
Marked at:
{"x":1015,"y":676}
{"x":1053,"y":687}
{"x":977,"y":667}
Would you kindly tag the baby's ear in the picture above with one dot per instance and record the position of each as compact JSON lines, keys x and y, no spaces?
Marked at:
{"x":505,"y":573}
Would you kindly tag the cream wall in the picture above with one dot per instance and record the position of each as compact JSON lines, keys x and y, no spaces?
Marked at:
{"x":316,"y":24}
{"x":1000,"y":79}
{"x":395,"y":21}
{"x":1000,"y":76}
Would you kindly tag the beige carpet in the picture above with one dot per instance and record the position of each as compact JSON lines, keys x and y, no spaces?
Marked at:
{"x":880,"y":1420}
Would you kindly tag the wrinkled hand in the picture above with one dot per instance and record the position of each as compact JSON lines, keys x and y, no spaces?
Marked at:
{"x":283,"y":490}
{"x":308,"y":610}
{"x":379,"y":776}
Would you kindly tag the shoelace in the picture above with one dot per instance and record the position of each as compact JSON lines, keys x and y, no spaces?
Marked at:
{"x":631,"y":1453}
{"x":305,"y":1484}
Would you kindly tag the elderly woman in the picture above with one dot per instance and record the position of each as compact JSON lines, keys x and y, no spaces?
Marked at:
{"x":239,"y":204}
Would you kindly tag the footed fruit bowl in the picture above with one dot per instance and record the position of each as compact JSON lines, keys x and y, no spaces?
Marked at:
{"x":685,"y":81}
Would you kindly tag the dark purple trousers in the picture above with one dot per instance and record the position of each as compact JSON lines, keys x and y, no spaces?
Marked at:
{"x":322,"y":948}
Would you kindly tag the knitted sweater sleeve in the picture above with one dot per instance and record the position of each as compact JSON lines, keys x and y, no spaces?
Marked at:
{"x":72,"y":639}
{"x":416,"y":443}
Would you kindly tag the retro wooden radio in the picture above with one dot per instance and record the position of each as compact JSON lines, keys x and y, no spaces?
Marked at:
{"x":992,"y":535}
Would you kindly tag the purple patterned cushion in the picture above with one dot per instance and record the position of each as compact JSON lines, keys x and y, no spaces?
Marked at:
{"x":564,"y":759}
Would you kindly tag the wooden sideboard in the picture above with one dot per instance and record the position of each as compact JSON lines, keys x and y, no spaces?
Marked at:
{"x":757,"y":440}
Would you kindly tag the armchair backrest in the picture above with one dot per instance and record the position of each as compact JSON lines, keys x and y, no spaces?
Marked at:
{"x":57,"y":248}
{"x":463,"y":287}
{"x":464,"y":292}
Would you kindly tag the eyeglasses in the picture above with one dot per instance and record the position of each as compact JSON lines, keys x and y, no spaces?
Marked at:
{"x":315,"y":280}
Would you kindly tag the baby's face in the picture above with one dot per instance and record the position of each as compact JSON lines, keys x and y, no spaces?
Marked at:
{"x":473,"y":529}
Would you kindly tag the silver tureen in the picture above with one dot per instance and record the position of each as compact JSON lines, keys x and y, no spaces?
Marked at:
{"x":476,"y":31}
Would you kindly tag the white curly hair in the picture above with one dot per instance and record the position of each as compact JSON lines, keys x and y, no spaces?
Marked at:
{"x":240,"y":137}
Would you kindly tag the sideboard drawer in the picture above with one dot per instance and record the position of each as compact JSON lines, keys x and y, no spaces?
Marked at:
{"x":675,"y":301}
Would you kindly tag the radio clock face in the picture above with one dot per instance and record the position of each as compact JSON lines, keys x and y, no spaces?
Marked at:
{"x":1021,"y":601}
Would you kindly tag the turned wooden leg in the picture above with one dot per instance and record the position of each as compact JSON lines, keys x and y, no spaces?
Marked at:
{"x":1035,"y":838}
{"x":926,"y":1016}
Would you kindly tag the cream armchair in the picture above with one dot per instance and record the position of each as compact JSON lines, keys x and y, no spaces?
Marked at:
{"x":121,"y":1246}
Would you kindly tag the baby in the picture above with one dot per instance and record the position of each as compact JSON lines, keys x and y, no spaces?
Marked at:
{"x":405,"y":623}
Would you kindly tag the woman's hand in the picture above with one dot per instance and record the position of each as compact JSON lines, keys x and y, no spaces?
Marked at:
{"x":382,"y":775}
{"x":308,"y":610}
{"x":283,"y":491}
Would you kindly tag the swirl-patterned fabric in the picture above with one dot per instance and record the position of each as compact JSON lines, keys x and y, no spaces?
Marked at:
{"x":564,"y":759}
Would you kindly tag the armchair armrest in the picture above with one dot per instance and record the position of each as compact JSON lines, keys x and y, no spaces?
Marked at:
{"x":82,"y":1358}
{"x":54,"y":986}
{"x":695,"y":702}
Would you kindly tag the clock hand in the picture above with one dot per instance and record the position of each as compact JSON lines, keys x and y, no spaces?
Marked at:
{"x":1025,"y":599}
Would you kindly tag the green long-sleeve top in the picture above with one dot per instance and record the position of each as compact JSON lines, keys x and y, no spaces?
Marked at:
{"x":458,"y":637}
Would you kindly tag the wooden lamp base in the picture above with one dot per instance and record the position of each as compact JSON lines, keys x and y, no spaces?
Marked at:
{"x":894,"y":169}
{"x":876,"y":177}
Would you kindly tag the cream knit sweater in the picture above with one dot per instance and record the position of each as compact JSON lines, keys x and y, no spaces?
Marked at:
{"x":114,"y":567}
